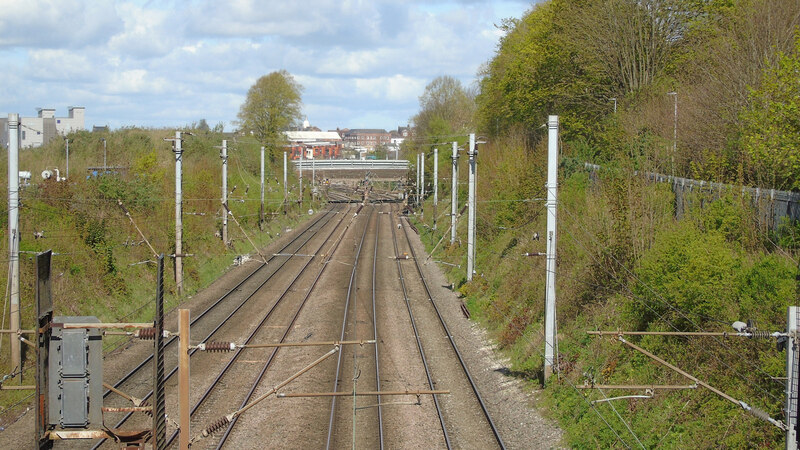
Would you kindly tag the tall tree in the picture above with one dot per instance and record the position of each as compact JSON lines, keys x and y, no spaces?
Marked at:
{"x":273,"y":103}
{"x":445,"y":107}
{"x":771,"y":128}
{"x":537,"y":72}
{"x":726,"y":57}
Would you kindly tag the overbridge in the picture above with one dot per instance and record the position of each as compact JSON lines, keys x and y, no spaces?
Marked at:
{"x":378,"y":169}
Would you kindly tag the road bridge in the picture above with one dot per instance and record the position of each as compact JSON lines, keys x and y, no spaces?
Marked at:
{"x":378,"y":169}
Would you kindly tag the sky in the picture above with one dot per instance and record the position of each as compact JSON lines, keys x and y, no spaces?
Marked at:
{"x":363,"y":64}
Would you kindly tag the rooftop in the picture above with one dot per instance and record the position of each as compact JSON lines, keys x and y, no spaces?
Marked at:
{"x":303,"y":136}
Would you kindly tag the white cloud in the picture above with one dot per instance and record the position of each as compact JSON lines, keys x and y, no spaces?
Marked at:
{"x":363,"y":63}
{"x":56,"y":24}
{"x":58,"y":65}
{"x":136,"y":81}
{"x":393,"y":89}
{"x":147,"y":32}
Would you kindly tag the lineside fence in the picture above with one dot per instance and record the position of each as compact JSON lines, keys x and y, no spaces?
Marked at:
{"x":772,"y":206}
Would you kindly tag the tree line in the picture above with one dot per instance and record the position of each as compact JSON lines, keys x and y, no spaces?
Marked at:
{"x":616,"y":71}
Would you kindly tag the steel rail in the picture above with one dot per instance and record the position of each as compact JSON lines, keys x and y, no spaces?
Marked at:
{"x":286,"y":332}
{"x":328,"y":214}
{"x":453,"y":344}
{"x":375,"y":330}
{"x":253,"y":333}
{"x":212,"y":306}
{"x":418,"y":339}
{"x":350,"y":291}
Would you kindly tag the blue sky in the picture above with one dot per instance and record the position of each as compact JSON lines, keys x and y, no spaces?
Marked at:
{"x":170,"y":63}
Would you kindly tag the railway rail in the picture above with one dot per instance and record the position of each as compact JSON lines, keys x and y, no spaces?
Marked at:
{"x":286,"y":330}
{"x":344,"y":278}
{"x":215,"y":315}
{"x":464,"y":369}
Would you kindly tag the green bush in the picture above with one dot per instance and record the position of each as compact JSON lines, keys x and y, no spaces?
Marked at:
{"x":686,"y":277}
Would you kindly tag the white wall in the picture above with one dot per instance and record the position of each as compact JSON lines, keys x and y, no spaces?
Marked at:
{"x":31,"y":132}
{"x":73,"y":122}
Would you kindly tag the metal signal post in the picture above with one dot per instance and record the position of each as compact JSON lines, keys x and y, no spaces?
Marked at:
{"x":13,"y":238}
{"x":176,"y":148}
{"x":261,"y":210}
{"x":471,"y":214}
{"x":454,"y":195}
{"x":552,"y":202}
{"x":435,"y":184}
{"x":792,"y":379}
{"x":224,"y":156}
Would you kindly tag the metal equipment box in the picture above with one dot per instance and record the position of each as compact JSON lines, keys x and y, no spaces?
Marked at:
{"x":75,"y":397}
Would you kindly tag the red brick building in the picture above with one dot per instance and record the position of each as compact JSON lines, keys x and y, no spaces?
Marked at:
{"x":315,"y":150}
{"x":316,"y":144}
{"x":367,"y":138}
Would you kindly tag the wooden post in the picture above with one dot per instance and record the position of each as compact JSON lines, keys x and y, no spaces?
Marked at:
{"x":183,"y":379}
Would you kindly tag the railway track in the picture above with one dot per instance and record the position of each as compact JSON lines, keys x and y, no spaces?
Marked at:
{"x":352,"y":276}
{"x":369,"y":284}
{"x":479,"y":418}
{"x":287,"y":300}
{"x":357,"y":323}
{"x":212,"y":319}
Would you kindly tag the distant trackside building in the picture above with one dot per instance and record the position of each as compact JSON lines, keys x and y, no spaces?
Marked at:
{"x":37,"y":131}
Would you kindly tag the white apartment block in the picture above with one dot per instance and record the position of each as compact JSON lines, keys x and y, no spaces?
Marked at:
{"x":39,"y":130}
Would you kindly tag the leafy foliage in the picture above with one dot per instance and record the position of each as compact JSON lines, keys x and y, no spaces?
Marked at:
{"x":626,"y":263}
{"x":445,"y":107}
{"x":771,"y":125}
{"x":579,"y":59}
{"x":537,"y":72}
{"x":273,"y":103}
{"x":687,"y":276}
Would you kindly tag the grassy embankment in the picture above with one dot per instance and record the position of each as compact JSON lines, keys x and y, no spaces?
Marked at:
{"x":626,"y":263}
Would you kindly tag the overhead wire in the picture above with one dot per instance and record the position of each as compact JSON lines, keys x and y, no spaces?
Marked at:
{"x":672,"y":425}
{"x":523,"y":335}
{"x":611,"y":404}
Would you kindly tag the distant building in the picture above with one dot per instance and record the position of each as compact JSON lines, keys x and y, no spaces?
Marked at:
{"x":314,"y":144}
{"x":397,"y":137}
{"x":305,"y":126}
{"x":37,"y":131}
{"x":367,"y":138}
{"x":312,"y":136}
